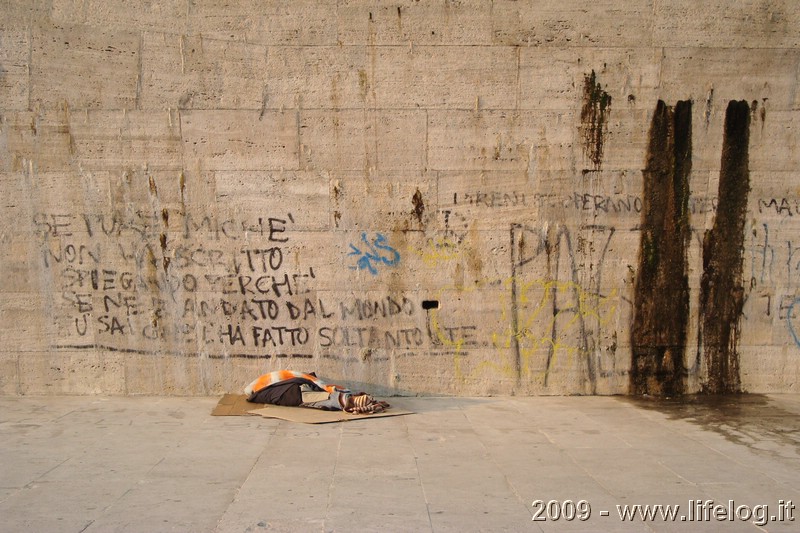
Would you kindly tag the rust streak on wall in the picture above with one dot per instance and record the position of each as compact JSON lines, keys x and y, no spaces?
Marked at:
{"x":661,"y":302}
{"x":721,"y":289}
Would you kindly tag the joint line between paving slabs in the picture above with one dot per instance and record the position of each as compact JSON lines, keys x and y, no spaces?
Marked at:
{"x":497,"y":465}
{"x":419,"y":474}
{"x":249,"y":473}
{"x":333,"y":475}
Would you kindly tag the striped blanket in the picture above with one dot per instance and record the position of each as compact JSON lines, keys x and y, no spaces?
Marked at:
{"x":262,"y":382}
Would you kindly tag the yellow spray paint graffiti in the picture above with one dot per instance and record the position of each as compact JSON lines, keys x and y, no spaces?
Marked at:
{"x":438,"y":250}
{"x":559,"y":324}
{"x":546,"y":340}
{"x":548,"y":321}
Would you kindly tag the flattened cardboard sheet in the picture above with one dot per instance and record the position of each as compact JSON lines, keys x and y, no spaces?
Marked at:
{"x":237,"y":405}
{"x":309,"y":415}
{"x":234,"y":405}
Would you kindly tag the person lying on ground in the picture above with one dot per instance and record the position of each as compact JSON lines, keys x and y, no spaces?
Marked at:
{"x":285,"y":387}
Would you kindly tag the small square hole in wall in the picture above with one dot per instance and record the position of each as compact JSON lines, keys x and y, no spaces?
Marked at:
{"x":430,"y":304}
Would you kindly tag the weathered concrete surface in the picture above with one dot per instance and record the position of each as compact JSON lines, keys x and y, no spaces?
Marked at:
{"x":427,"y":197}
{"x":99,"y":464}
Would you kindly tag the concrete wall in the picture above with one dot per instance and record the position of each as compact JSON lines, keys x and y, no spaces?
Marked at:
{"x":458,"y":197}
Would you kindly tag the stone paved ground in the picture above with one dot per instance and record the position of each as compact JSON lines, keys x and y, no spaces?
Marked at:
{"x":151,"y":464}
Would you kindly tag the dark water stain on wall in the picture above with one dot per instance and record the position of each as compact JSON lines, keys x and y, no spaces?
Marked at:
{"x":166,"y":259}
{"x":721,"y":288}
{"x":182,"y":185}
{"x":419,"y":205}
{"x":594,"y":119}
{"x":661,"y":301}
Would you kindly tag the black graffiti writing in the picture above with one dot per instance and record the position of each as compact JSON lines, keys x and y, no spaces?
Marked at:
{"x":276,"y":336}
{"x":370,"y":337}
{"x":114,"y":325}
{"x":600,"y":203}
{"x":549,"y":256}
{"x":146,"y":224}
{"x":364,"y":309}
{"x":781,"y":206}
{"x":82,"y":301}
{"x":700,"y":205}
{"x":278,"y":285}
{"x":125,"y":302}
{"x":264,"y":260}
{"x":207,"y":226}
{"x":187,"y":256}
{"x":463,"y":335}
{"x":139,"y":224}
{"x":607,"y":204}
{"x":53,"y":225}
{"x":491,"y":198}
{"x":55,"y":253}
{"x":104,"y":279}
